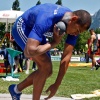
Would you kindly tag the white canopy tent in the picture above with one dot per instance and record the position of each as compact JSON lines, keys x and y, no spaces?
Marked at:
{"x":9,"y":16}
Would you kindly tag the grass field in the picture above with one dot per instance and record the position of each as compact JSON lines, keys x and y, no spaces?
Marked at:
{"x":78,"y":80}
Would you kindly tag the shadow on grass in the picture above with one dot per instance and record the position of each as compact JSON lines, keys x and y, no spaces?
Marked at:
{"x":82,"y":68}
{"x":2,"y":76}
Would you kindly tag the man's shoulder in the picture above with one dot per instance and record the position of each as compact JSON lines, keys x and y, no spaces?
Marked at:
{"x":93,"y":36}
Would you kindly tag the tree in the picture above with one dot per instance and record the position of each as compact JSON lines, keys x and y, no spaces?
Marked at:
{"x":59,"y":2}
{"x":60,"y":46}
{"x":97,"y":31}
{"x":15,"y":5}
{"x":38,"y":3}
{"x":2,"y":30}
{"x":82,"y":40}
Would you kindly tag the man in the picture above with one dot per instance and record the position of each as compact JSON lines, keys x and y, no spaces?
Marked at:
{"x":93,"y":46}
{"x":29,"y":32}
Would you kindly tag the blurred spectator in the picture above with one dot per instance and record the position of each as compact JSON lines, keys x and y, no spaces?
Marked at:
{"x":4,"y":52}
{"x":93,"y":46}
{"x":34,"y":66}
{"x":18,"y":59}
{"x":27,"y":65}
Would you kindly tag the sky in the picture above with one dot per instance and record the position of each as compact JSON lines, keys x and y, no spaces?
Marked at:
{"x":92,"y":6}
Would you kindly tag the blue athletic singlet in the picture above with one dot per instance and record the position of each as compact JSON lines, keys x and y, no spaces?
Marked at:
{"x":38,"y":22}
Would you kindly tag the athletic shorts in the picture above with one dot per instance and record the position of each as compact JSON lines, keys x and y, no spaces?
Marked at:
{"x":20,"y":33}
{"x":93,"y":52}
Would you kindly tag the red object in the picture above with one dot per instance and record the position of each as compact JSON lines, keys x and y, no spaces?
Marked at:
{"x":2,"y":65}
{"x":98,"y":51}
{"x":3,"y":68}
{"x":8,"y":36}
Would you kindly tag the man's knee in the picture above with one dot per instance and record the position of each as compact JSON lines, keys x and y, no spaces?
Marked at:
{"x":50,"y":72}
{"x":47,"y":69}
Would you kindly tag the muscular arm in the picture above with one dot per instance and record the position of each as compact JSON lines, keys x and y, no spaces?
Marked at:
{"x":91,"y":41}
{"x":33,"y":47}
{"x":64,"y":63}
{"x":62,"y":70}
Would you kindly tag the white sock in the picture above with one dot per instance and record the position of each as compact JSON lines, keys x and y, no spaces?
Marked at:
{"x":97,"y":63}
{"x":16,"y":89}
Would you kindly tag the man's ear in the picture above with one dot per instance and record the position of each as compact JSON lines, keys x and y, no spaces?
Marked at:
{"x":74,"y":18}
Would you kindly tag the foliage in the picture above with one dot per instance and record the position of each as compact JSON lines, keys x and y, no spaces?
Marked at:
{"x":82,"y":40}
{"x":60,"y":46}
{"x":15,"y":5}
{"x":2,"y":30}
{"x":97,"y":31}
{"x":38,"y":3}
{"x":59,"y":2}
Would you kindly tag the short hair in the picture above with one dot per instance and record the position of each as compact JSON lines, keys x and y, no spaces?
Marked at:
{"x":84,"y":18}
{"x":91,"y":30}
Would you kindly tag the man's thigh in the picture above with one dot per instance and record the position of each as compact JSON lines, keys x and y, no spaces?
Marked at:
{"x":43,"y":60}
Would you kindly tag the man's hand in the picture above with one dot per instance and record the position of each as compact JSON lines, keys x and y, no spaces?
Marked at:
{"x":56,"y":37}
{"x":53,"y":89}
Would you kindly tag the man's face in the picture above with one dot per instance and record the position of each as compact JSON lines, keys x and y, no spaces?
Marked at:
{"x":91,"y":32}
{"x":74,"y":29}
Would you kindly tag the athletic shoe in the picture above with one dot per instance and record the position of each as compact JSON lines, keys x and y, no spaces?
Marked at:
{"x":15,"y":96}
{"x":34,"y":69}
{"x":97,"y":66}
{"x":27,"y":71}
{"x":92,"y":68}
{"x":15,"y":71}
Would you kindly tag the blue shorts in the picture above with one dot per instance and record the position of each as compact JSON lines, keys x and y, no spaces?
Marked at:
{"x":93,"y":52}
{"x":20,"y":33}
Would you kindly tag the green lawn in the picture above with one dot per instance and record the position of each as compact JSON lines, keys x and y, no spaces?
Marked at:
{"x":77,"y":80}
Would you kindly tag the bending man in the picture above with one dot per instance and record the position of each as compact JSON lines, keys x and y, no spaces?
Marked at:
{"x":30,"y":31}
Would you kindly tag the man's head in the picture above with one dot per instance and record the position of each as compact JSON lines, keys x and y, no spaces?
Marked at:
{"x":91,"y":31}
{"x":77,"y":21}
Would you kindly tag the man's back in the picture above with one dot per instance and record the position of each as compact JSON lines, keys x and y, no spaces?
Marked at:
{"x":43,"y":12}
{"x":95,"y":42}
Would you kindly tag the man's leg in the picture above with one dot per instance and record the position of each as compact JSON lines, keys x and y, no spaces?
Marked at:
{"x":93,"y":61}
{"x":38,"y":77}
{"x":87,"y":57}
{"x":34,"y":66}
{"x":16,"y":64}
{"x":27,"y":66}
